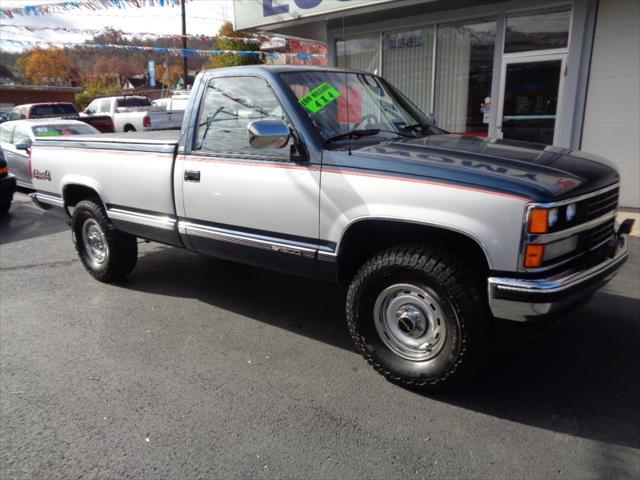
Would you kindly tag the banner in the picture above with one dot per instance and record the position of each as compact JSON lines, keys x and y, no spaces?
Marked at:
{"x":93,"y":32}
{"x":184,"y":52}
{"x":48,"y":8}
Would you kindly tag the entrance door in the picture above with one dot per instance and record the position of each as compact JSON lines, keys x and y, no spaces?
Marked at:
{"x":531,"y":87}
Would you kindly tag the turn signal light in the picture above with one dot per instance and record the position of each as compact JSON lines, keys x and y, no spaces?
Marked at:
{"x":539,"y":220}
{"x":533,"y":256}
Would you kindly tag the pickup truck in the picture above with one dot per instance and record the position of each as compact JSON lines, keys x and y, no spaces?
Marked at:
{"x":440,"y":238}
{"x":65,"y":110}
{"x":134,"y":114}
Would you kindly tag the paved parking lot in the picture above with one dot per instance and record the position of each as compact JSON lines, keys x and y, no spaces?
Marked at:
{"x":198,"y":368}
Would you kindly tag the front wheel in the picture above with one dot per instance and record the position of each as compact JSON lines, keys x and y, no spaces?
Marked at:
{"x":417,"y":316}
{"x":106,"y":253}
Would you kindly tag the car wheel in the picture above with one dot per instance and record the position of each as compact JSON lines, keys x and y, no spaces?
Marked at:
{"x":106,"y":253}
{"x":418,"y":317}
{"x":4,"y":208}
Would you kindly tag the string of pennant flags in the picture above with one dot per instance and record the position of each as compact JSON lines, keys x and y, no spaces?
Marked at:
{"x":184,"y":52}
{"x":57,"y":7}
{"x":89,"y":31}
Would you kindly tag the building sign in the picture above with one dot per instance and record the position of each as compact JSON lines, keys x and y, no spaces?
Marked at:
{"x":258,"y":13}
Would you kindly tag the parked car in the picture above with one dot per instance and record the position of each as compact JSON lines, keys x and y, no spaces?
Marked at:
{"x":441,"y":238}
{"x":132,"y":114}
{"x":17,"y":138}
{"x":59,"y":110}
{"x":7,"y":186}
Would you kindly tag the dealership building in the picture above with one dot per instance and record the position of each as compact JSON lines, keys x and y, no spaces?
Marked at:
{"x":563,"y":73}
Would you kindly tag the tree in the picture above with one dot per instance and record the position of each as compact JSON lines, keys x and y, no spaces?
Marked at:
{"x":48,"y":66}
{"x":168,"y":76}
{"x":97,"y":87}
{"x":233,"y":59}
{"x":115,"y":66}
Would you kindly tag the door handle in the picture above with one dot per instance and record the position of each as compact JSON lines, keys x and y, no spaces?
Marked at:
{"x":192,"y":175}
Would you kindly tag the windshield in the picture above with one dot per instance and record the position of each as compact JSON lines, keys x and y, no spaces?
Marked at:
{"x":52,"y":110}
{"x":62,"y":130}
{"x":373,"y":109}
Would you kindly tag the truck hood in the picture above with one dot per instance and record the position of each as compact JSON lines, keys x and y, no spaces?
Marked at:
{"x":539,"y":172}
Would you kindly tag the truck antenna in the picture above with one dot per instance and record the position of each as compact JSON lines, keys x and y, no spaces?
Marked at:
{"x":346,"y":86}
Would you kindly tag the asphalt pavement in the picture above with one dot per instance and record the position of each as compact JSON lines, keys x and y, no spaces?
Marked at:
{"x":198,"y":368}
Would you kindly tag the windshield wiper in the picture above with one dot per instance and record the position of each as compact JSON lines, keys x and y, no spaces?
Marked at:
{"x":365,"y":132}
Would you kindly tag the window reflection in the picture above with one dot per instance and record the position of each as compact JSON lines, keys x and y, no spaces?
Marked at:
{"x":464,"y":69}
{"x":407,"y":62}
{"x":540,"y":31}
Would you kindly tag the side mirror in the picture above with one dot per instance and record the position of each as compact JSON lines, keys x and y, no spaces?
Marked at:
{"x":89,"y":111}
{"x":431,"y":117}
{"x":23,"y":146}
{"x":268,"y":133}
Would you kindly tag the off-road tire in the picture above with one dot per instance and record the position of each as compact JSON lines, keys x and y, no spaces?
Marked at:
{"x":444,"y":274}
{"x":122,"y":252}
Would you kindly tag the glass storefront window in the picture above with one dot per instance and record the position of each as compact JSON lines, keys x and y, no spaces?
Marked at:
{"x":407,"y":63}
{"x":539,"y":31}
{"x":464,"y":70}
{"x":359,"y":53}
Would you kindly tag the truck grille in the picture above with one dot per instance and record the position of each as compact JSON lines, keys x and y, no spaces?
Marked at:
{"x":597,"y":235}
{"x":599,"y":205}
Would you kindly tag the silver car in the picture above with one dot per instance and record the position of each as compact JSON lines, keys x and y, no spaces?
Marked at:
{"x":16,"y":138}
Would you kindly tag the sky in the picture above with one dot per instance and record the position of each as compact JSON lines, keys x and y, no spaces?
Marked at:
{"x":204,"y":17}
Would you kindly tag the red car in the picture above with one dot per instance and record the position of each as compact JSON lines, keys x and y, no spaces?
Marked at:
{"x":65,"y":110}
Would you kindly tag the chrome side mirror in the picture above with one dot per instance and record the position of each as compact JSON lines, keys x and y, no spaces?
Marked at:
{"x":268,"y":133}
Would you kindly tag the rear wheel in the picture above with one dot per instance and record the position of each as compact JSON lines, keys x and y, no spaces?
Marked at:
{"x":418,"y":317}
{"x":106,"y":253}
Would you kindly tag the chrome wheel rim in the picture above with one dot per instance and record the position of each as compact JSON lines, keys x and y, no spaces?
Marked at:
{"x":410,"y":320}
{"x":95,"y":242}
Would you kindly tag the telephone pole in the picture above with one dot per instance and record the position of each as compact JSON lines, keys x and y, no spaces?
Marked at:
{"x":185,"y":70}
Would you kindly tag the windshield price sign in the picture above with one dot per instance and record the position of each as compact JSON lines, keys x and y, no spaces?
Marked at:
{"x":319,"y":97}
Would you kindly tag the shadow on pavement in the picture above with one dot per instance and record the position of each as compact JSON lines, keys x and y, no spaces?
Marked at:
{"x":24,"y":222}
{"x":580,"y":379}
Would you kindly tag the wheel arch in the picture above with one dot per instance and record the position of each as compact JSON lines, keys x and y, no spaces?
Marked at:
{"x":364,"y":237}
{"x":74,"y":192}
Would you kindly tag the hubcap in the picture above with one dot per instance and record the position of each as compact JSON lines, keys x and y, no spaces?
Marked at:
{"x":95,"y":243}
{"x":410,"y":321}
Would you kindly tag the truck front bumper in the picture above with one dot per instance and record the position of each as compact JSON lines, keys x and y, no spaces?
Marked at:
{"x":529,"y":300}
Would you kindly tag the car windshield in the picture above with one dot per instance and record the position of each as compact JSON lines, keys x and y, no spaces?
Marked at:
{"x":62,"y":130}
{"x":367,"y":108}
{"x":52,"y":110}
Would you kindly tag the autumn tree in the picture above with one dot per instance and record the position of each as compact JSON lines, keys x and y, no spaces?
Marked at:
{"x":47,"y":66}
{"x":115,"y":66}
{"x":168,"y":75}
{"x":233,"y":59}
{"x":97,"y":87}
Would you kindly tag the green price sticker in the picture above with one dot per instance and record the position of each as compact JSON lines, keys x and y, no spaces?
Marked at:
{"x":319,"y":97}
{"x":48,"y":133}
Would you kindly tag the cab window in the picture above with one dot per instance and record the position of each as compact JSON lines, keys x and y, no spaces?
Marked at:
{"x":105,"y":106}
{"x":21,"y":135}
{"x":229,"y":105}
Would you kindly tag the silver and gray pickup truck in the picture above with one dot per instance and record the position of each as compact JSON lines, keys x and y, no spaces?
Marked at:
{"x":440,"y":238}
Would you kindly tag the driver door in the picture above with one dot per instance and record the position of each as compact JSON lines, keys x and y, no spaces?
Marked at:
{"x":248,"y":205}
